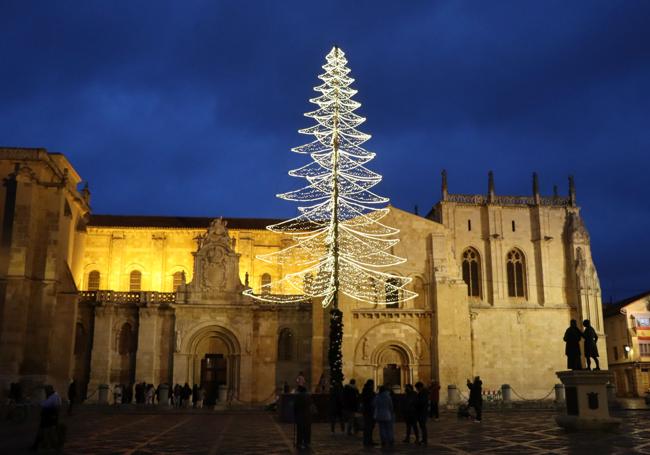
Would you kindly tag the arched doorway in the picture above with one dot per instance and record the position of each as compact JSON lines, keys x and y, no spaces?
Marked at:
{"x":392,"y":366}
{"x":213,"y":355}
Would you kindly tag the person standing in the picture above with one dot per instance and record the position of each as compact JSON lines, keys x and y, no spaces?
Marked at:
{"x":572,"y":338}
{"x":47,"y":429}
{"x":195,"y":395}
{"x":409,"y":413}
{"x":336,"y":407}
{"x":350,"y":405}
{"x":72,"y":395}
{"x":384,"y":415}
{"x":591,"y":350}
{"x":434,"y":398}
{"x":117,"y":395}
{"x":421,"y":408}
{"x":302,"y":407}
{"x":367,"y":408}
{"x":476,"y":397}
{"x":300,"y":380}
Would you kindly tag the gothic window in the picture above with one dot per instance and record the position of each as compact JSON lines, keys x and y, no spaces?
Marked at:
{"x":266,"y":280}
{"x":392,"y":293}
{"x":516,"y":274}
{"x":179,"y":278}
{"x":93,"y":281}
{"x":126,"y":341}
{"x":285,"y":345}
{"x":135,"y":281}
{"x":472,"y":272}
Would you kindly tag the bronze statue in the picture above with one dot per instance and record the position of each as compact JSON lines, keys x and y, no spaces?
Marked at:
{"x":572,"y":338}
{"x":591,"y":350}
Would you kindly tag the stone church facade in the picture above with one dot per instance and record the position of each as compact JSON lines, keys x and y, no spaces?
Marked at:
{"x":111,"y":299}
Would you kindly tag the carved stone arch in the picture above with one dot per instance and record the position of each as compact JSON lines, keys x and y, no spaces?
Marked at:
{"x":190,"y":360}
{"x":373,"y":337}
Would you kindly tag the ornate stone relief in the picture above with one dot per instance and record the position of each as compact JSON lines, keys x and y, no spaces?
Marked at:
{"x":216,"y":266}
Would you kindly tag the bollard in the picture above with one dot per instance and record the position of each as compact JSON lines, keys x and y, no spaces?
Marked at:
{"x":223,"y":393}
{"x":452,"y":395}
{"x":506,"y":393}
{"x":611,"y":394}
{"x":102,"y":394}
{"x":559,"y":393}
{"x":163,"y":395}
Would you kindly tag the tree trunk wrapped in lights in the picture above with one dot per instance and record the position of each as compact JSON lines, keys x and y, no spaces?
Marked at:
{"x":339,"y":244}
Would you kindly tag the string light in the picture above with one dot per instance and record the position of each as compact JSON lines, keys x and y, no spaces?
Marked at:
{"x":339,"y":243}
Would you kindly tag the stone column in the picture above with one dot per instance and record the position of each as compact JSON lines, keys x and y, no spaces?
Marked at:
{"x":146,"y":363}
{"x":103,"y":342}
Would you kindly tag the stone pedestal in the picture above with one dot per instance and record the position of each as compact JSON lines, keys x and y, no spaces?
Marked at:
{"x":453,"y":397}
{"x":559,"y":393}
{"x":586,"y":401}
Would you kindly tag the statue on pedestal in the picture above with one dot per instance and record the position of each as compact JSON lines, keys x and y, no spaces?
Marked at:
{"x":591,"y":350}
{"x":572,"y":338}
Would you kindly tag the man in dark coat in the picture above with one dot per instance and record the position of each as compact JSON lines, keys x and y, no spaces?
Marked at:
{"x":72,"y":395}
{"x":410,"y":413}
{"x":591,"y":350}
{"x":368,"y":409}
{"x":421,"y":408}
{"x":572,"y":338}
{"x":476,"y":397}
{"x":302,"y":407}
{"x":336,"y":407}
{"x":350,"y":405}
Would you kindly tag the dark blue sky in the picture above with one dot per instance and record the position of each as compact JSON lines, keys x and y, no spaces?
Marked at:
{"x":190,"y":107}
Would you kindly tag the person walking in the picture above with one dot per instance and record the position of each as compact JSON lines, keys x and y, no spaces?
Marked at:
{"x":572,"y":337}
{"x":72,"y":396}
{"x":384,"y":415}
{"x":476,"y":397}
{"x":409,"y":413}
{"x":367,"y":409}
{"x":591,"y":350}
{"x":350,"y":405}
{"x":302,"y":409}
{"x":336,"y":407}
{"x":421,"y":408}
{"x":434,"y":398}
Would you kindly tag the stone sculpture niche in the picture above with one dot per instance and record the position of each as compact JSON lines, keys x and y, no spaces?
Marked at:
{"x":216,"y":268}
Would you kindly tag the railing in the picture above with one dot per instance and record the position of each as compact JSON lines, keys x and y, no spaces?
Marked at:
{"x":129,"y":297}
{"x":480,"y":199}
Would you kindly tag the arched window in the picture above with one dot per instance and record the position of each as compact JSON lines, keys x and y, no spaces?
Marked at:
{"x":135,"y":281}
{"x":179,"y":279}
{"x":266,"y":280}
{"x":472,"y":272}
{"x":285,"y":345}
{"x":516,"y":274}
{"x":93,"y":281}
{"x":126,"y":341}
{"x":392,"y":293}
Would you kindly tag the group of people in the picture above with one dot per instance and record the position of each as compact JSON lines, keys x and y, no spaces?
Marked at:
{"x":179,"y":396}
{"x":572,"y":338}
{"x":353,"y":410}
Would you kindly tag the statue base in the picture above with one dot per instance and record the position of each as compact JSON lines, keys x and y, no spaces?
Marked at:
{"x":586,"y":401}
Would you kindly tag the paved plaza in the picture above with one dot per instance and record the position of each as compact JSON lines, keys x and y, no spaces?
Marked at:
{"x":131,"y":431}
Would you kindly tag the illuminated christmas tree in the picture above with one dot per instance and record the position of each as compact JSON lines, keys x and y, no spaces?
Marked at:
{"x":339,"y":244}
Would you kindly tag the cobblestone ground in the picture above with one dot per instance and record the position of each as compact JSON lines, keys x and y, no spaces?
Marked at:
{"x":93,"y":430}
